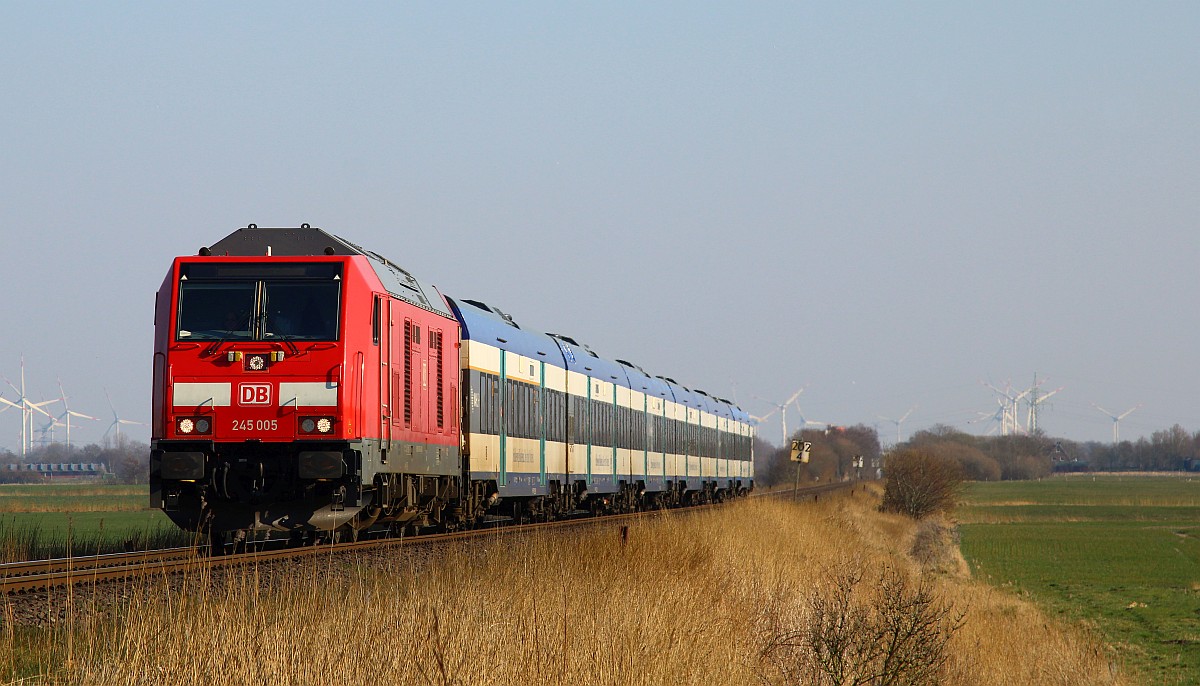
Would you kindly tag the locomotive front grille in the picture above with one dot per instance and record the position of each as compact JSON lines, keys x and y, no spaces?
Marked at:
{"x":320,"y":464}
{"x":182,"y":465}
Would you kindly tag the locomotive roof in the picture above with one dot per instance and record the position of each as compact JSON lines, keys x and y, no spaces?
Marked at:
{"x":310,"y":240}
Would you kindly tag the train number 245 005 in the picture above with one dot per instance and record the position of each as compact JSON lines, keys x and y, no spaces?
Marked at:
{"x":255,"y":424}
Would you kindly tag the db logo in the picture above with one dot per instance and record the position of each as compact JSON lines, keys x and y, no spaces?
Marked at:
{"x":254,"y":394}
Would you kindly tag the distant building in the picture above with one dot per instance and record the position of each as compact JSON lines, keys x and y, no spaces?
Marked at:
{"x":53,"y":469}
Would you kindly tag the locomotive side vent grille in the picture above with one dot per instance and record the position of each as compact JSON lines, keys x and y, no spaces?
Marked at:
{"x":408,"y":349}
{"x":435,"y":344}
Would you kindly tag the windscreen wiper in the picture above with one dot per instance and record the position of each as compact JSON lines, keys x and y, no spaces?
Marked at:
{"x":285,"y":338}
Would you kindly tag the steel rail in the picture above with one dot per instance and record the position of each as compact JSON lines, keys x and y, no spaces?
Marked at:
{"x":807,"y":491}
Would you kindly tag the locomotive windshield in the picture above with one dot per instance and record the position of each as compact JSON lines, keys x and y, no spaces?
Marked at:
{"x":262,"y":302}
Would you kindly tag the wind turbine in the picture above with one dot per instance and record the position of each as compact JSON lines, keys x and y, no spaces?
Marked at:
{"x":1009,"y":423}
{"x":5,"y":404}
{"x":999,"y":417}
{"x":765,"y":417}
{"x":46,"y":432}
{"x":899,"y":421}
{"x":27,"y":408}
{"x":117,"y":421}
{"x":1117,"y":419}
{"x":782,"y":408}
{"x":804,"y":421}
{"x":64,"y":419}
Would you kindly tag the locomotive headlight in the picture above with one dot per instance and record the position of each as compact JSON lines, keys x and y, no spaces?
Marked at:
{"x":316,"y":425}
{"x":256,"y":363}
{"x":319,"y":425}
{"x":193,"y":425}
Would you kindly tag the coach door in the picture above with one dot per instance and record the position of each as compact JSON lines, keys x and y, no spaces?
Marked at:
{"x":570,"y":427}
{"x":505,"y":409}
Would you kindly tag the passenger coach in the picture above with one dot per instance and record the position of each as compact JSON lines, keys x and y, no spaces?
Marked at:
{"x":556,"y":427}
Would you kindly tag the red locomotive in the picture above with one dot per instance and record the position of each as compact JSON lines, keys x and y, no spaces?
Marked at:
{"x":291,"y":370}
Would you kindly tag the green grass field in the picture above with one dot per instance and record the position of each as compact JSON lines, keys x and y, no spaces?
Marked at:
{"x":1120,"y":554}
{"x":39,"y":521}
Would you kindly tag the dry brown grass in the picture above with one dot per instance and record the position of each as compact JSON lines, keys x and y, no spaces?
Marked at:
{"x":690,"y":599}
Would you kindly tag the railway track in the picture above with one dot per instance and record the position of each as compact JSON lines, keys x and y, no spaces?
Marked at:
{"x":808,"y":491}
{"x":42,"y":575}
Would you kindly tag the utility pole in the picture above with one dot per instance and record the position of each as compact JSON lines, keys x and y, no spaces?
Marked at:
{"x":1036,"y":397}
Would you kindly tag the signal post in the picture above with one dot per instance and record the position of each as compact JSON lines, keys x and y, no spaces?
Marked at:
{"x":800,"y":451}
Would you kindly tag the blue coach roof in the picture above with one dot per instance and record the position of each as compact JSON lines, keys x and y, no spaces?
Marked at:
{"x":706,"y":402}
{"x":639,"y":380}
{"x":722,"y":407}
{"x":580,"y":358}
{"x":682,"y":395}
{"x":740,"y":415}
{"x":486,"y":324}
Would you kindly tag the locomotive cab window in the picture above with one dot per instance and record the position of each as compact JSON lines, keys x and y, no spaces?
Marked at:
{"x":300,"y":310}
{"x":259,"y":302}
{"x":216,"y":310}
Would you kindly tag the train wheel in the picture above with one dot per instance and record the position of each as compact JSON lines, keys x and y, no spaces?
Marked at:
{"x":346,"y":533}
{"x":239,"y":542}
{"x":216,"y":543}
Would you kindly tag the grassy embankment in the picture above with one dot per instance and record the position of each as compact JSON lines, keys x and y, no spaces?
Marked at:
{"x":689,"y":599}
{"x":52,"y":520}
{"x":1119,"y":553}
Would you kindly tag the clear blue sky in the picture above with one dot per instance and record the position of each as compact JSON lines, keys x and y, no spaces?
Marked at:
{"x":887,"y":202}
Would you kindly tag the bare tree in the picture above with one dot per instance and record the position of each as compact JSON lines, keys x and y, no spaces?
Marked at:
{"x":889,"y":632}
{"x":919,"y":484}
